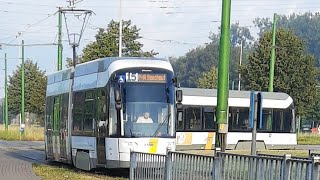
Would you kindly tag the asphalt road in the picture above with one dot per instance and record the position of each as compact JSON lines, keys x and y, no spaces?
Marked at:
{"x":16,"y":158}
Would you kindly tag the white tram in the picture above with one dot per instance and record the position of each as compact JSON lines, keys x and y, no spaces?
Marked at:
{"x":196,"y":129}
{"x":92,"y":111}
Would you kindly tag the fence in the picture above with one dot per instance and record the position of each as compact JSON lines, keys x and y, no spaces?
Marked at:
{"x":224,"y":166}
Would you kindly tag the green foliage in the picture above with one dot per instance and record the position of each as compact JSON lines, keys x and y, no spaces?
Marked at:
{"x":306,"y":26}
{"x":295,"y":73}
{"x":30,"y":134}
{"x":308,"y":139}
{"x":106,"y":43}
{"x":35,"y":89}
{"x":64,"y":172}
{"x":190,"y":68}
{"x":209,"y":80}
{"x":314,"y":112}
{"x":239,"y":34}
{"x":1,"y":111}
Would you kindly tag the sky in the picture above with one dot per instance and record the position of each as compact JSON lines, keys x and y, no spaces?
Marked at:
{"x":170,"y":27}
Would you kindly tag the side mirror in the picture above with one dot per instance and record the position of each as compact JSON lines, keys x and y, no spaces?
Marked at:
{"x":175,"y":81}
{"x":117,"y":98}
{"x":117,"y":95}
{"x":179,"y":96}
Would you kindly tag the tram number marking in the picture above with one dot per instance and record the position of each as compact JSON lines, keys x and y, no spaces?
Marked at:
{"x":132,"y":77}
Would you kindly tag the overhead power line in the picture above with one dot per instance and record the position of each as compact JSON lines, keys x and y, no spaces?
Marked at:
{"x":31,"y":25}
{"x":169,"y":41}
{"x":25,"y":4}
{"x":36,"y":44}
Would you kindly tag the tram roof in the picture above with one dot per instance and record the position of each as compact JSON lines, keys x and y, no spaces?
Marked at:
{"x":98,"y":65}
{"x":232,"y":93}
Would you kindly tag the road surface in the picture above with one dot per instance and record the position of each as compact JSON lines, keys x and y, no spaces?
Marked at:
{"x":16,"y":159}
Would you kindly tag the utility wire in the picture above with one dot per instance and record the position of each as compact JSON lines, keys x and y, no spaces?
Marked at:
{"x":34,"y":24}
{"x":25,"y":4}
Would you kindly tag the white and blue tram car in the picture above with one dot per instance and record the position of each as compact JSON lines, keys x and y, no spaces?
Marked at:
{"x":196,"y":130}
{"x":92,"y":111}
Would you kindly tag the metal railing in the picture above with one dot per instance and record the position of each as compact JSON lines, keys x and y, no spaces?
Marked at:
{"x":224,"y":166}
{"x":147,"y":166}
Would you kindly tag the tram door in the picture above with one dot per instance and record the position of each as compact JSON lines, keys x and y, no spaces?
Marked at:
{"x":63,"y":126}
{"x":56,"y":120}
{"x":49,"y":127}
{"x":101,"y":126}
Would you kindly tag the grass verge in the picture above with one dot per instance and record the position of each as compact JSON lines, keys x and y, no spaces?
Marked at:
{"x":48,"y":172}
{"x":30,"y":134}
{"x":309,"y":139}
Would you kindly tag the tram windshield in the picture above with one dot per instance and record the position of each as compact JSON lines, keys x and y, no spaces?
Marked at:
{"x":148,"y":109}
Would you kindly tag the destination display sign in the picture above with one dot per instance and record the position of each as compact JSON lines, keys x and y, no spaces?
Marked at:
{"x":144,"y":77}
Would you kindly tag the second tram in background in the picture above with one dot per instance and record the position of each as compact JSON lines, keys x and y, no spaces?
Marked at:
{"x":196,"y":129}
{"x":103,"y":109}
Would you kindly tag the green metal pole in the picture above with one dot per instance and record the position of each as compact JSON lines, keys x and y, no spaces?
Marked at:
{"x":273,"y":54}
{"x":22,"y":83}
{"x":60,"y":41}
{"x":223,"y":77}
{"x":271,"y":69}
{"x":5,"y":92}
{"x":3,"y":116}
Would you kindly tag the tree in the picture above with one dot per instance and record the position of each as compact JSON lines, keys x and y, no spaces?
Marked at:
{"x":35,"y":89}
{"x":238,"y":34}
{"x":106,"y":43}
{"x":295,"y":73}
{"x":189,"y":68}
{"x":2,"y":111}
{"x":209,"y":80}
{"x":306,"y":26}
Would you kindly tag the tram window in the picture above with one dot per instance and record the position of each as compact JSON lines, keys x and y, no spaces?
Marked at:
{"x":266,"y":120}
{"x":64,"y":113}
{"x":49,"y":112}
{"x":88,"y":111}
{"x":281,"y":121}
{"x":239,"y":119}
{"x":78,"y":111}
{"x":102,"y":111}
{"x":209,"y":118}
{"x":193,"y":118}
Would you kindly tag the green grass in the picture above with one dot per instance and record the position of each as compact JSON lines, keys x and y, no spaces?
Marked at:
{"x":32,"y":133}
{"x":48,"y":172}
{"x":309,"y":139}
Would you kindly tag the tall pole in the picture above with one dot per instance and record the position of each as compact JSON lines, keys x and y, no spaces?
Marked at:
{"x":240,"y":60}
{"x":223,"y":77}
{"x":59,"y":66}
{"x":5,"y":93}
{"x":3,"y":116}
{"x":272,"y":62}
{"x":120,"y":29}
{"x":22,"y":82}
{"x":273,"y":53}
{"x":74,"y":55}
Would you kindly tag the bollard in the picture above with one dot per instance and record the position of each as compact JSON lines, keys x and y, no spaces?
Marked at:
{"x":216,"y":168}
{"x":286,"y":166}
{"x":133,"y":164}
{"x":315,"y":171}
{"x":168,"y":165}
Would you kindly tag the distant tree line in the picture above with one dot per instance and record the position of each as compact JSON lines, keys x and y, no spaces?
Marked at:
{"x":296,"y":69}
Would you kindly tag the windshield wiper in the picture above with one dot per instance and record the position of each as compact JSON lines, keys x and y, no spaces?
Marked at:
{"x":163,"y":122}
